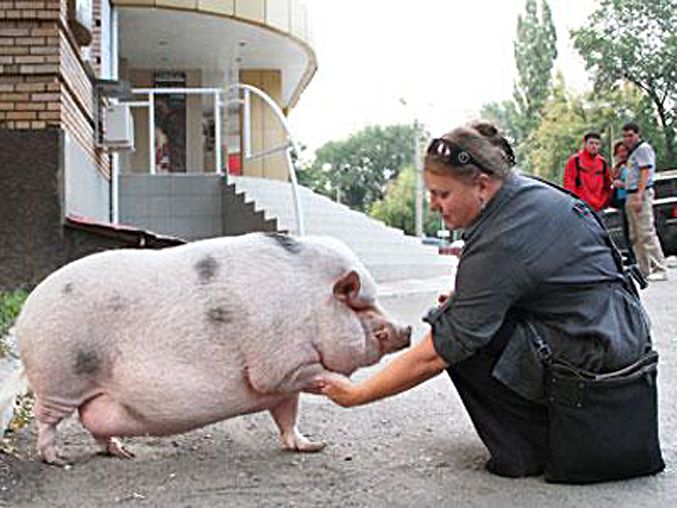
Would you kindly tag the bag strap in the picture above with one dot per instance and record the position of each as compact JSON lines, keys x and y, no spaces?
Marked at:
{"x":577,"y":161}
{"x":629,"y":274}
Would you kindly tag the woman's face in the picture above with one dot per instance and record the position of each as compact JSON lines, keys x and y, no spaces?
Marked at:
{"x":458,"y":202}
{"x":621,"y":153}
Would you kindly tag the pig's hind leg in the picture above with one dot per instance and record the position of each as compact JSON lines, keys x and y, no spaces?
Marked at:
{"x":48,"y":414}
{"x":284,"y":414}
{"x":106,"y":419}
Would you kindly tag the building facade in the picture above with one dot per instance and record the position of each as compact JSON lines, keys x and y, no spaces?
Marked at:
{"x":175,"y":65}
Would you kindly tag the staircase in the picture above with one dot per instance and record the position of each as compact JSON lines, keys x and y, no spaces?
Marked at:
{"x":389,"y":254}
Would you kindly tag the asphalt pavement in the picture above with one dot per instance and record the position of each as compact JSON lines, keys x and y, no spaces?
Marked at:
{"x":415,"y":449}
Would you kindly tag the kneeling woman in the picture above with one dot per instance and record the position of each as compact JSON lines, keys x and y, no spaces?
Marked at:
{"x":535,"y":261}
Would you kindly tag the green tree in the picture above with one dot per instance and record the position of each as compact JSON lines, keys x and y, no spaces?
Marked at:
{"x":568,"y":116}
{"x":535,"y":53}
{"x":396,"y":208}
{"x":558,"y":135}
{"x":355,"y":171}
{"x":535,"y":49}
{"x":636,"y":41}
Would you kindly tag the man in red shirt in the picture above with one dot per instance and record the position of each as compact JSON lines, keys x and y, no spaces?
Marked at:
{"x":587,"y":174}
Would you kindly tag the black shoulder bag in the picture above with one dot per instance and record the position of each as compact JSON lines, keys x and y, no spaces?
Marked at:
{"x":602,"y":426}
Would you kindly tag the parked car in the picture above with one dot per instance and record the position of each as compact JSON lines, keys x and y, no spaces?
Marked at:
{"x":665,"y":214}
{"x":447,"y":242}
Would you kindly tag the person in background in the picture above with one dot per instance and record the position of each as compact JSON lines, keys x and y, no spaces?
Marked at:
{"x":639,"y":205}
{"x":620,"y":177}
{"x":587,"y":175}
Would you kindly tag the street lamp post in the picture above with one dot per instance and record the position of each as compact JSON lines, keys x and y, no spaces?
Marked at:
{"x":418,"y":165}
{"x":418,"y":177}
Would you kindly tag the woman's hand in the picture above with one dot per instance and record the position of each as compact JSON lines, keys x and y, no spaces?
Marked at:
{"x":407,"y":370}
{"x":339,"y":389}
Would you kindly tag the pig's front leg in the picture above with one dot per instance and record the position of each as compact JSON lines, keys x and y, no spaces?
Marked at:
{"x":284,"y":414}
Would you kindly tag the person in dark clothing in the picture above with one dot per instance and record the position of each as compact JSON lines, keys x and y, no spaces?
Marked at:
{"x":587,"y":174}
{"x":535,"y":259}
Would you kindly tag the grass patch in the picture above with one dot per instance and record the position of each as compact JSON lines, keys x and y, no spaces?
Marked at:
{"x":10,"y":305}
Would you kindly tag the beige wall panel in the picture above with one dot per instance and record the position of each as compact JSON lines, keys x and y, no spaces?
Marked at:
{"x":141,"y":78}
{"x":255,"y":167}
{"x":278,"y":14}
{"x":123,"y":69}
{"x":254,"y":10}
{"x":266,"y":131}
{"x":138,"y":159}
{"x":273,"y":133}
{"x":177,"y":4}
{"x":226,"y":7}
{"x":133,"y":2}
{"x":298,"y":20}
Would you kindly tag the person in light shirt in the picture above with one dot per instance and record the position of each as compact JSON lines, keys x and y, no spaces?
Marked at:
{"x":639,"y":205}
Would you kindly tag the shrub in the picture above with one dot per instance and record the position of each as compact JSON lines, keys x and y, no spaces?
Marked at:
{"x":10,"y":305}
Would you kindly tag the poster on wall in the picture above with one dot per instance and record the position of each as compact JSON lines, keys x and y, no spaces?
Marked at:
{"x":170,"y":123}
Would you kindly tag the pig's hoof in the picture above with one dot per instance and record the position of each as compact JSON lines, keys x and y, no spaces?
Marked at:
{"x":311,"y":447}
{"x":53,"y":459}
{"x":303,"y":444}
{"x":114,"y":447}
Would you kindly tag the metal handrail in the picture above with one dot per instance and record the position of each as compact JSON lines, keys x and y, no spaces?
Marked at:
{"x":292,"y":145}
{"x":288,"y":147}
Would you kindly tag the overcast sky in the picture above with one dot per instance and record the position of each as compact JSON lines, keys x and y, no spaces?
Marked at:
{"x":444,"y":58}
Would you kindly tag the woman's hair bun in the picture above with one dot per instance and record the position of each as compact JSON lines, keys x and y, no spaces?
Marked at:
{"x":485,"y":129}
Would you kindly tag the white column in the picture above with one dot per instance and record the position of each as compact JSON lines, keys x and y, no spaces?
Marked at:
{"x":115,"y":157}
{"x":151,"y":132}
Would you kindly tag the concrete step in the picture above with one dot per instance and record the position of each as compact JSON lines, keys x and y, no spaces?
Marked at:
{"x":389,"y":254}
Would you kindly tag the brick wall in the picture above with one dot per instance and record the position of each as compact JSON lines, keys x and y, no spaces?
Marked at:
{"x":43,"y":82}
{"x":29,"y":63}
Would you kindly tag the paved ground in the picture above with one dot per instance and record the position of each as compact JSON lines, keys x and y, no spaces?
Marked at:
{"x":416,"y":449}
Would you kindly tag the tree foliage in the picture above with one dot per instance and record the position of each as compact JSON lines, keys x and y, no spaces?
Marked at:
{"x":535,"y":53}
{"x":397,"y":206}
{"x":636,"y":41}
{"x":568,"y":116}
{"x":355,"y":171}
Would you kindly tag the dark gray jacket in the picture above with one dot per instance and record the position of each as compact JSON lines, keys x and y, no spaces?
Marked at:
{"x":536,"y":252}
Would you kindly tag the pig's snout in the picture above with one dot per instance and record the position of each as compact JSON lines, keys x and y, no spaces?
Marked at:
{"x":405,"y":336}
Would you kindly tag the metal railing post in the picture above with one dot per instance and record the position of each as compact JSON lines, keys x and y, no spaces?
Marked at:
{"x":300,"y":225}
{"x":247,"y":124}
{"x":217,"y":133}
{"x":151,"y":132}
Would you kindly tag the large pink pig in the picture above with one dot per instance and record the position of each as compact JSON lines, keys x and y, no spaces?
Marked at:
{"x":147,"y":342}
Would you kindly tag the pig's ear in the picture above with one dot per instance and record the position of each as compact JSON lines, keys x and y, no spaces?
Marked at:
{"x":347,"y":288}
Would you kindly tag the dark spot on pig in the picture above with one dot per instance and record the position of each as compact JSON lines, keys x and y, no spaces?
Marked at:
{"x":219,"y":315}
{"x":206,"y":269}
{"x":87,"y":363}
{"x":288,"y":243}
{"x":68,"y":288}
{"x":118,"y":303}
